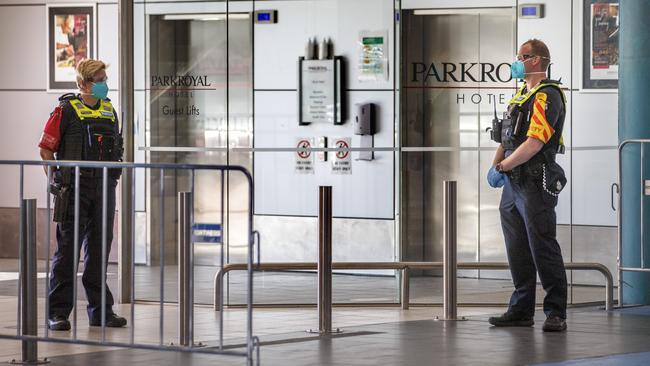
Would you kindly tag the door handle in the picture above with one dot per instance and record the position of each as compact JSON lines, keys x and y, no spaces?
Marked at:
{"x":614,"y":186}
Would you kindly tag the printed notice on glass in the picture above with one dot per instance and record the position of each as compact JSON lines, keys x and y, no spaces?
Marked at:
{"x":304,"y":158}
{"x":342,"y":162}
{"x":318,"y":91}
{"x":373,"y":56}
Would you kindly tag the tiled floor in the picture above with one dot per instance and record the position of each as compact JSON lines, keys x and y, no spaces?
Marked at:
{"x":387,"y":336}
{"x":375,"y":337}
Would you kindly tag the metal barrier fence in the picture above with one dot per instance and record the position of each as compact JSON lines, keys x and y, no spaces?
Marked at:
{"x":26,"y":321}
{"x":404,"y":268}
{"x":449,"y":265}
{"x":644,"y":191}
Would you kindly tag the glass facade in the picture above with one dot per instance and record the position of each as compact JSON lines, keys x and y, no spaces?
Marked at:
{"x":240,"y":83}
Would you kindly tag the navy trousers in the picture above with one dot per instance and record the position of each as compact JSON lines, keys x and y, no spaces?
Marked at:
{"x":529,"y":228}
{"x":90,"y":238}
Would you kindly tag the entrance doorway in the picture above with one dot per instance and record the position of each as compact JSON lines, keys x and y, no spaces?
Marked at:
{"x":199,"y":106}
{"x":456,"y":71}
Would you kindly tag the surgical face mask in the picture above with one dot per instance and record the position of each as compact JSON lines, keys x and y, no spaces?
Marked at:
{"x":99,"y":90}
{"x":518,"y":70}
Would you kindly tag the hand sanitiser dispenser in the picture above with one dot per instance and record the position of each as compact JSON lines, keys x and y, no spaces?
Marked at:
{"x":364,"y":125}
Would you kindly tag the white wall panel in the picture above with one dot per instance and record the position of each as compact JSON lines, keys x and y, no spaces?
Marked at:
{"x":594,"y":171}
{"x":555,"y":30}
{"x":278,"y":46}
{"x":24,"y":121}
{"x":23,"y":59}
{"x":107,"y":41}
{"x":367,"y":192}
{"x":353,"y":239}
{"x":596,"y":119}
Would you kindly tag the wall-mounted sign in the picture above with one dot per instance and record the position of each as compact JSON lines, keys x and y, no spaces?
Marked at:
{"x":342,"y":161}
{"x":320,"y":91}
{"x":181,"y":88}
{"x":373,"y":56}
{"x":304,"y":158}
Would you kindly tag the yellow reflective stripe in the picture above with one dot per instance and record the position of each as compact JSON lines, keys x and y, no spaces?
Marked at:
{"x":518,"y":95}
{"x":521,"y":99}
{"x":105,"y":111}
{"x":539,"y":127}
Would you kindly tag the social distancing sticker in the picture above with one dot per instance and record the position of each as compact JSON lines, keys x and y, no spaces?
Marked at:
{"x":304,"y":158}
{"x":342,"y":162}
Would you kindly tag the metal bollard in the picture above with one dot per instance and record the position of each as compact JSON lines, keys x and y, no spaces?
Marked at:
{"x":405,"y":293}
{"x":184,"y":268}
{"x":325,"y":259}
{"x":29,"y":285}
{"x":449,"y":264}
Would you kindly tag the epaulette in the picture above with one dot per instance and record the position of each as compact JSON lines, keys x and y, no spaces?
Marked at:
{"x":67,"y":96}
{"x":551,"y":81}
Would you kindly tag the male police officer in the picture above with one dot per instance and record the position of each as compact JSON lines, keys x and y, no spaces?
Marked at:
{"x":530,"y":135}
{"x":82,"y":127}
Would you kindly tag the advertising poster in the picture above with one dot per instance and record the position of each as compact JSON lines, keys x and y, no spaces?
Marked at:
{"x":70,"y":40}
{"x":601,"y":54}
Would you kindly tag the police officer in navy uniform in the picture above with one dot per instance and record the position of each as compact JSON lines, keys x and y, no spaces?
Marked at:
{"x":83,"y":127}
{"x":530,"y":136}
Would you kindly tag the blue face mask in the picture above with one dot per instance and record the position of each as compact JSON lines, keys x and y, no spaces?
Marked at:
{"x":517,"y":70}
{"x":100,"y":90}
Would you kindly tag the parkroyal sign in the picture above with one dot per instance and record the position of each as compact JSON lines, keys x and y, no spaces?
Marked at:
{"x":180,"y":81}
{"x":464,"y":75}
{"x":462,"y":72}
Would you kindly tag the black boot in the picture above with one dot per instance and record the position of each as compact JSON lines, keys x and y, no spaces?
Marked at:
{"x":511,"y":320}
{"x":112,"y":321}
{"x":58,"y":322}
{"x":554,"y":324}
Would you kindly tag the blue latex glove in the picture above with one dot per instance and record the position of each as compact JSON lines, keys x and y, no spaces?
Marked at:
{"x":496,"y":179}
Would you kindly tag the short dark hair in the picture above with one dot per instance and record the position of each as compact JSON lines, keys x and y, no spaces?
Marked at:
{"x":539,"y":48}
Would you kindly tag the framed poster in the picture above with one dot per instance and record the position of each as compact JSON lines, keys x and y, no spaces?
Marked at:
{"x":70,"y":39}
{"x":600,"y":52}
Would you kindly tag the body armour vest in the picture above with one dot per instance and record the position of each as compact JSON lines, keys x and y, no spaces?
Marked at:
{"x":92,"y":135}
{"x":517,"y":121}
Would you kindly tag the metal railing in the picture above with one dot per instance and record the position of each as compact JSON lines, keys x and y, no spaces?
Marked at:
{"x":404,"y":268}
{"x":449,"y":265}
{"x":26,"y":321}
{"x":644,"y":191}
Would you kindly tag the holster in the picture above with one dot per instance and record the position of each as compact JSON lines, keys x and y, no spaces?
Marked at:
{"x":61,"y":189}
{"x":61,"y":202}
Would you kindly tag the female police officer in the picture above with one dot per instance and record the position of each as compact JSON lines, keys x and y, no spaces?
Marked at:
{"x":83,"y":127}
{"x":530,"y":136}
